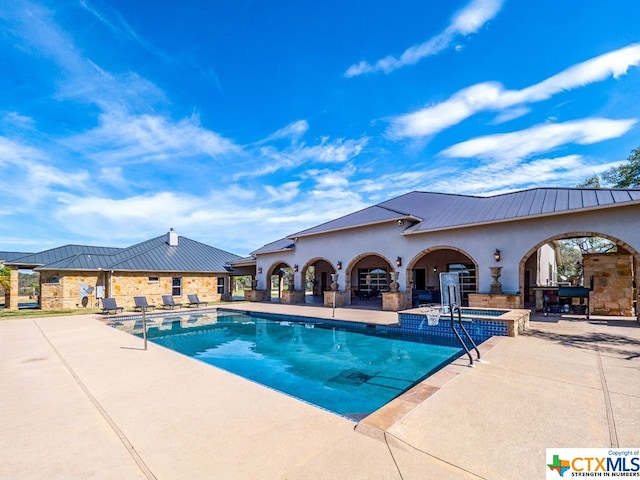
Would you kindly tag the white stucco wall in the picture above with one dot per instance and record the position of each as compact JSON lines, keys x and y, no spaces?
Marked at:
{"x":514,"y":239}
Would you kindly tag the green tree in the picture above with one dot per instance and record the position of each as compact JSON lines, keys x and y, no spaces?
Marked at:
{"x":626,"y":175}
{"x":5,"y":278}
{"x":591,"y":182}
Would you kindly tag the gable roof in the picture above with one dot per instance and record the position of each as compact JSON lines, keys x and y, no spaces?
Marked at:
{"x":430,"y":211}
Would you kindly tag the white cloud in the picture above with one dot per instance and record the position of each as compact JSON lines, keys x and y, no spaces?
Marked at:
{"x":492,"y":95}
{"x":293,"y":131}
{"x":541,"y":138}
{"x":469,"y":20}
{"x":283,"y":193}
{"x":122,"y":137}
{"x":326,"y":151}
{"x":495,"y":179}
{"x":15,"y":119}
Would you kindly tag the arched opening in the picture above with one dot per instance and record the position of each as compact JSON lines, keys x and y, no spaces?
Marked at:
{"x":423,"y":274}
{"x":600,"y":262}
{"x":280,"y":278}
{"x":316,"y":279}
{"x":366,"y":278}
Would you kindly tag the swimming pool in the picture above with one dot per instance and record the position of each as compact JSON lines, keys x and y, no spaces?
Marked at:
{"x":349,"y":371}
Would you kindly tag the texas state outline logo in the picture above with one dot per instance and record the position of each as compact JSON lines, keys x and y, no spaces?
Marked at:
{"x":592,"y":463}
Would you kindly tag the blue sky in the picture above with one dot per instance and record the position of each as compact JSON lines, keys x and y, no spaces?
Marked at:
{"x":240,"y":122}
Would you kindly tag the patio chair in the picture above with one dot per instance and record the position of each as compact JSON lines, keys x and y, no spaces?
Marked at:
{"x":142,"y":305}
{"x":109,"y":305}
{"x":194,"y":301}
{"x":373,"y":294}
{"x":167,"y":302}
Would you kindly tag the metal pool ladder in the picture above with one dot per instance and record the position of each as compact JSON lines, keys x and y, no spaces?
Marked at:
{"x":454,"y":309}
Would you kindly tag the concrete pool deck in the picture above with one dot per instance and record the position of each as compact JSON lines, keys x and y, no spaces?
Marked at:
{"x":81,"y":400}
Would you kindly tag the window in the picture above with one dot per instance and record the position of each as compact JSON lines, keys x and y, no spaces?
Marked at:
{"x":372,"y":278}
{"x":53,"y":279}
{"x":154,"y":279}
{"x":220,"y":285}
{"x":176,"y":286}
{"x":467,"y":272}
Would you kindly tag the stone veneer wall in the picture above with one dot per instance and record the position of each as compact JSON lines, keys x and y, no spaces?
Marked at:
{"x":396,"y":301}
{"x":612,"y":283}
{"x":65,"y":295}
{"x":123,"y":287}
{"x":488,"y":300}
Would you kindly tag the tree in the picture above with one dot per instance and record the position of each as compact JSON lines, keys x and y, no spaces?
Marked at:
{"x":591,"y":182}
{"x":5,"y":278}
{"x":572,"y":249}
{"x":626,"y":175}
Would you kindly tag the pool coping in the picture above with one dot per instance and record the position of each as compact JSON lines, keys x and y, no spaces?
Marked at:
{"x":378,"y":422}
{"x":375,"y":424}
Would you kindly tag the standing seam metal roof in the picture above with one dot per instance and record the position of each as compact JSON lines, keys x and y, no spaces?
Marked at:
{"x":439,"y":211}
{"x":154,"y":255}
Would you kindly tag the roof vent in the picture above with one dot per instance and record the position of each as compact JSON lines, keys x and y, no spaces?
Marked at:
{"x":172,"y":238}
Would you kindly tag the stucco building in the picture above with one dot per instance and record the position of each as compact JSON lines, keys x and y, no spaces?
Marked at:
{"x":503,"y":246}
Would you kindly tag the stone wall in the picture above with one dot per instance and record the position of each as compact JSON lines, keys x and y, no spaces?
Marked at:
{"x":123,"y":286}
{"x":500,"y":301}
{"x":291,"y":297}
{"x":396,"y":301}
{"x":341,"y":298}
{"x":64,"y":292}
{"x":612,"y":283}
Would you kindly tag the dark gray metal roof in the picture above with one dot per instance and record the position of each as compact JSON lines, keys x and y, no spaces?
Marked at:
{"x":440,"y":211}
{"x":9,"y":256}
{"x":154,"y":255}
{"x":243,"y":262}
{"x":158,"y":256}
{"x":60,"y":253}
{"x":376,"y":214}
{"x":431,"y":211}
{"x":80,"y":261}
{"x":277,"y":246}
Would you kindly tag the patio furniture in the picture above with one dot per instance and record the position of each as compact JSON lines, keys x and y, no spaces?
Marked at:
{"x":142,"y":304}
{"x":167,"y":302}
{"x":109,"y":305}
{"x":194,"y":301}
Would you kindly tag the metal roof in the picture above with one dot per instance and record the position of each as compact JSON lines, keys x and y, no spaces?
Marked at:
{"x":9,"y":256}
{"x":60,"y":253}
{"x":158,"y":256}
{"x":440,"y":212}
{"x":277,"y":246}
{"x":154,"y":255}
{"x":429,"y":211}
{"x":369,"y":216}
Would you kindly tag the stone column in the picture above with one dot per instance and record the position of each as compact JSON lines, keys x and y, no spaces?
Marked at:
{"x":11,"y":296}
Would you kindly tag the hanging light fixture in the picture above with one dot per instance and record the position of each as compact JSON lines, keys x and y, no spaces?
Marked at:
{"x":496,"y":255}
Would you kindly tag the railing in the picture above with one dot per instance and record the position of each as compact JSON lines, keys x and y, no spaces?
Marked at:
{"x":453,"y":311}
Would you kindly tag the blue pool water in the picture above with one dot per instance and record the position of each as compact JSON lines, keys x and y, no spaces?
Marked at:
{"x":351,"y":373}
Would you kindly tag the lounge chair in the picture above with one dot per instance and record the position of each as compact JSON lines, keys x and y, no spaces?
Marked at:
{"x":142,"y":305}
{"x":194,"y":301}
{"x":109,"y":305}
{"x":167,"y":302}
